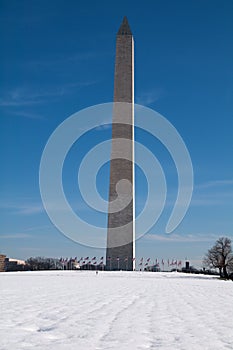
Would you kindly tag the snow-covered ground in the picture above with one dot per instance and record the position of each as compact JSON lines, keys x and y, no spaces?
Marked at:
{"x":114,"y":310}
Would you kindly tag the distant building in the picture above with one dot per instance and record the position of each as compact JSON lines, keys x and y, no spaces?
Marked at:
{"x":153,"y":268}
{"x":2,"y":262}
{"x":14,"y":264}
{"x":72,"y":264}
{"x":96,"y":267}
{"x":189,"y":269}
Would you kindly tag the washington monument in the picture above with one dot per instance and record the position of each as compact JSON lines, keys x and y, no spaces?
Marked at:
{"x":121,"y":212}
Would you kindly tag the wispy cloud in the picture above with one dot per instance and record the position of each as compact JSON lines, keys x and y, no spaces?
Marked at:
{"x":182,"y":238}
{"x":20,"y":97}
{"x":26,"y":114}
{"x":105,"y":124}
{"x":215,"y":183}
{"x":11,"y":102}
{"x":28,"y":232}
{"x":23,"y":209}
{"x":149,"y":97}
{"x":15,"y":236}
{"x":214,"y":192}
{"x":58,"y":60}
{"x":31,"y":208}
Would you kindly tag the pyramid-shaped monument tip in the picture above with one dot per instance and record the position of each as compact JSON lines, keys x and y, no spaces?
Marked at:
{"x":124,"y":28}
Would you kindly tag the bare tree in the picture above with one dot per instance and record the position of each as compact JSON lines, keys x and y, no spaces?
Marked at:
{"x":42,"y":263}
{"x":220,"y":256}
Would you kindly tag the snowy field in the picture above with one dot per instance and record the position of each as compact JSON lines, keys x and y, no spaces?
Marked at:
{"x":114,"y":310}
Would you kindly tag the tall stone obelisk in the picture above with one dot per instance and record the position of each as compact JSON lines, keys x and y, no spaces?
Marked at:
{"x":121,"y":213}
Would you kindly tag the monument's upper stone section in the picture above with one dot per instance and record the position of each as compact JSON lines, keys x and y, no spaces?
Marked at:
{"x":124,"y":28}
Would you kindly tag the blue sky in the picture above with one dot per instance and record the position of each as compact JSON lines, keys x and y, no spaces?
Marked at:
{"x":58,"y":58}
